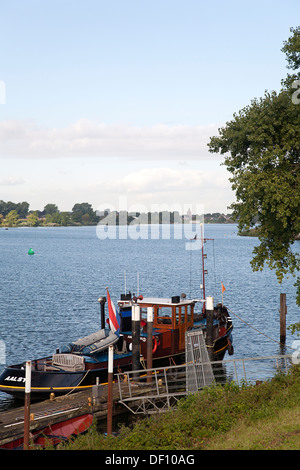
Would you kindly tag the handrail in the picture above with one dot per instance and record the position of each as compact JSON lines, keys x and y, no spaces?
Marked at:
{"x":170,"y":382}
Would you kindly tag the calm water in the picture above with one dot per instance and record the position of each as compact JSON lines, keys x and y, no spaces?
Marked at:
{"x":50,"y":298}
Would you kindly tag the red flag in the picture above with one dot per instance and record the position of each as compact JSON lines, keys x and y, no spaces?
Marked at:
{"x":223,"y":288}
{"x":114,"y":322}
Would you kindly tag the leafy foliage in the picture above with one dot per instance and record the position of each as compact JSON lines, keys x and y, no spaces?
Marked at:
{"x":202,"y":417}
{"x":291,"y":49}
{"x":261,"y":148}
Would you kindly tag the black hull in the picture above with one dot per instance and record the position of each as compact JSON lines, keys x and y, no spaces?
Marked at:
{"x":220,"y":347}
{"x":12,"y":381}
{"x":43,"y":383}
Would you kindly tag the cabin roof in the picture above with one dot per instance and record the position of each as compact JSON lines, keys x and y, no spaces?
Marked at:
{"x":163,"y":301}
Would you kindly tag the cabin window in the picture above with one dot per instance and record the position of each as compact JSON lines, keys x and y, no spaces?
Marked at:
{"x":177,"y":315}
{"x":183,"y":314}
{"x":189,"y":313}
{"x":164,"y":315}
{"x":143,"y":313}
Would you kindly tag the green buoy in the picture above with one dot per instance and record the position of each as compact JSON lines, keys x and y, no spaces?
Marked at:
{"x":30,"y":251}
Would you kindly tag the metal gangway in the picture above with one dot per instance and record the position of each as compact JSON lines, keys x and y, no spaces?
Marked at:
{"x":162,"y":387}
{"x":159,"y":389}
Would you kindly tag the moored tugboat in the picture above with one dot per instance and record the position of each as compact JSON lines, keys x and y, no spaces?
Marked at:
{"x":78,"y":365}
{"x":82,"y":363}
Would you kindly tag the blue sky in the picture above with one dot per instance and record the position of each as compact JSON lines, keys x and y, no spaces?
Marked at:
{"x":106,"y":99}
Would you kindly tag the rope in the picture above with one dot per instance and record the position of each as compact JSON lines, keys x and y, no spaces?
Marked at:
{"x":263,"y":334}
{"x":68,"y":393}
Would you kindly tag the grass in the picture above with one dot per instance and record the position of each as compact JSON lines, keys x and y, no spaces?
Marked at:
{"x":247,"y":417}
{"x":281,"y":432}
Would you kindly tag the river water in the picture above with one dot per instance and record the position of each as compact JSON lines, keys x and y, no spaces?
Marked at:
{"x":50,"y":298}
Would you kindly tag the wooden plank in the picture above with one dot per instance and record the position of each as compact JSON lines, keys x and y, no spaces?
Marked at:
{"x":59,"y":409}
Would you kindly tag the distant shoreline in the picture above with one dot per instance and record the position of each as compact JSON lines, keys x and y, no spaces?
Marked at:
{"x":117,"y":219}
{"x":53,"y":225}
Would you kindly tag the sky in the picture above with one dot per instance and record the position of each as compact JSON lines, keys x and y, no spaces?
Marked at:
{"x":114,"y":102}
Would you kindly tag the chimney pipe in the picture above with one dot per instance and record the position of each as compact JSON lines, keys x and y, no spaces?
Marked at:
{"x":102,"y":301}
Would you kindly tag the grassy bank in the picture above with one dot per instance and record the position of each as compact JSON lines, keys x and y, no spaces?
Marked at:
{"x":264,"y":416}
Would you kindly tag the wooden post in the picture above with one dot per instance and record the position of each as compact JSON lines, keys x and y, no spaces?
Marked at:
{"x":110,"y":388}
{"x":149,"y":341}
{"x":135,"y":321}
{"x":27,"y":405}
{"x":283,"y":312}
{"x":209,"y":326}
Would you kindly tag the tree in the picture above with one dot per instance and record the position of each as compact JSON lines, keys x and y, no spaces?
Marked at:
{"x":84,"y":209}
{"x":50,"y":209}
{"x":291,"y":49}
{"x":33,"y":219}
{"x":261,"y":148}
{"x":65,"y":218}
{"x":12,"y":218}
{"x":20,"y":207}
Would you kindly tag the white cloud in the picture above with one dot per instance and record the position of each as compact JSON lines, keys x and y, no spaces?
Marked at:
{"x":160,"y":180}
{"x":98,"y":163}
{"x":25,"y":139}
{"x":11,"y":181}
{"x":170,"y":186}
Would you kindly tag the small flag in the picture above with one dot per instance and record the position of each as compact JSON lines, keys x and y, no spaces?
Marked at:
{"x":114,"y":319}
{"x":223,"y":288}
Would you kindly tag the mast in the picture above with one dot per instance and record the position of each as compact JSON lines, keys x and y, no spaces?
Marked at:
{"x":203,"y":271}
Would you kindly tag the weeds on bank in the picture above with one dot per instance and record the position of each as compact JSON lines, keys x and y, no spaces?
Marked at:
{"x":202,"y":417}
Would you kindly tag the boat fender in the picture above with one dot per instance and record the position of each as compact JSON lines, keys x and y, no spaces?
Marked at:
{"x":155,"y":344}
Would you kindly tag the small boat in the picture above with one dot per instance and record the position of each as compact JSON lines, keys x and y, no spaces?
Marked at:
{"x":80,"y":364}
{"x":53,"y":434}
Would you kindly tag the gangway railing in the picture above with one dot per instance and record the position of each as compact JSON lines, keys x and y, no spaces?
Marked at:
{"x":169,"y":384}
{"x":251,"y":369}
{"x":155,"y":389}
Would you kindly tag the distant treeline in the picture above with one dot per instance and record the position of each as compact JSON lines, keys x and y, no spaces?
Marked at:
{"x":18,"y":214}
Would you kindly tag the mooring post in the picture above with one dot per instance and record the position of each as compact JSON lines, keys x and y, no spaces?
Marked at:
{"x":149,"y":342}
{"x":110,"y":388}
{"x":135,"y":321}
{"x":102,"y":301}
{"x":283,"y":312}
{"x":209,"y":326}
{"x":27,"y":405}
